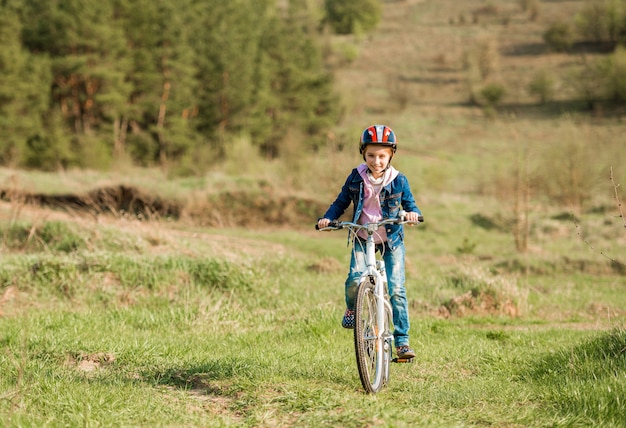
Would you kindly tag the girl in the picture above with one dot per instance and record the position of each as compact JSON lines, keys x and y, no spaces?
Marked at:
{"x":378,"y":191}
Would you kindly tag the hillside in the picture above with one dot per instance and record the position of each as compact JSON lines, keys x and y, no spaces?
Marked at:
{"x":420,"y":51}
{"x":413,"y":73}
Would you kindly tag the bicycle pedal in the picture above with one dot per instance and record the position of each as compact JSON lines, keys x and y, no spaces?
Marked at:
{"x":403,"y":360}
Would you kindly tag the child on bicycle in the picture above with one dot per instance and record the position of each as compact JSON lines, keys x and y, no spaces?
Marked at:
{"x":378,"y":191}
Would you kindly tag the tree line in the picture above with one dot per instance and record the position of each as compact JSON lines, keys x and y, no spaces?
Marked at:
{"x":158,"y":82}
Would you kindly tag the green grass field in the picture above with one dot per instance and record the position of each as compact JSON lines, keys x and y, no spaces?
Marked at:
{"x":128,"y":323}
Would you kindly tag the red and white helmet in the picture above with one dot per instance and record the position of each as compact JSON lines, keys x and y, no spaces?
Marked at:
{"x":378,"y":134}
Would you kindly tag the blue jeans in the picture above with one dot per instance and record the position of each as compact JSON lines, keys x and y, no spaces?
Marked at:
{"x":394,"y":265}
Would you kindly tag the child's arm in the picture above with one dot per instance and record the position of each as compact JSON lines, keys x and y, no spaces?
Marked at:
{"x":341,"y":203}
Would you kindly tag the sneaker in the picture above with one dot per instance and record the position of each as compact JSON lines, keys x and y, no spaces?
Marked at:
{"x":405,"y":352}
{"x":348,"y":319}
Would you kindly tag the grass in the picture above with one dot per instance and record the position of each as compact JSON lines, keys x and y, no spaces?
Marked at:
{"x":152,"y":335}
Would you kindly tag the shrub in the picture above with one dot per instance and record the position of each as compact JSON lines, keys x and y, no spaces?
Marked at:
{"x":587,"y":81}
{"x":492,"y":93}
{"x":601,"y":21}
{"x":352,"y":16}
{"x":614,"y":71}
{"x":542,"y":85}
{"x":559,"y":37}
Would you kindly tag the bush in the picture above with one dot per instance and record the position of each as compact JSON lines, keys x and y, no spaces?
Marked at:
{"x":559,"y":37}
{"x":614,"y":70}
{"x":492,"y":93}
{"x":542,"y":85}
{"x":352,"y":16}
{"x":601,"y":21}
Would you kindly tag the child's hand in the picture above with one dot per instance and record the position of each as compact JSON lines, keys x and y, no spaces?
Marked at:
{"x":412,"y":217}
{"x":322,"y":223}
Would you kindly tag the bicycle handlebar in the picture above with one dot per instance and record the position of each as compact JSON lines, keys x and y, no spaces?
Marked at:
{"x":336,"y":224}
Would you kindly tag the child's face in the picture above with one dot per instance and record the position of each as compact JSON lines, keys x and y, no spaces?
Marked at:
{"x":377,"y":158}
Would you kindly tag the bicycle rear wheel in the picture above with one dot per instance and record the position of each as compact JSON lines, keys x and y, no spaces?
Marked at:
{"x":373,"y":352}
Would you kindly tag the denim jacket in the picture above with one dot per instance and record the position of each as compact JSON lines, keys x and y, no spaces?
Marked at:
{"x":393,"y":197}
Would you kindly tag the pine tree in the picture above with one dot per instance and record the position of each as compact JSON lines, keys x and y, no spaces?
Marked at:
{"x":23,"y":91}
{"x":298,"y":89}
{"x":163,"y":103}
{"x":85,"y":82}
{"x":226,"y":46}
{"x":87,"y":53}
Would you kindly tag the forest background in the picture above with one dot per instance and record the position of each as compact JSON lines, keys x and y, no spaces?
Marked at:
{"x":518,"y":100}
{"x":95,"y":84}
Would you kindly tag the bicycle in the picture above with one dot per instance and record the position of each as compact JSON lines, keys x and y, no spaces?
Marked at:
{"x":373,"y":333}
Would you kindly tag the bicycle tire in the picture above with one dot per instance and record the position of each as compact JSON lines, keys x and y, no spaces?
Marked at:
{"x":373,"y":354}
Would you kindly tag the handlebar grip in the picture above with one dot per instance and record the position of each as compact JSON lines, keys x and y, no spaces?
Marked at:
{"x":333,"y":223}
{"x":420,"y":219}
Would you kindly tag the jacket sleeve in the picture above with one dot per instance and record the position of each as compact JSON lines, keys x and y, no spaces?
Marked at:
{"x":342,"y":202}
{"x":408,"y":201}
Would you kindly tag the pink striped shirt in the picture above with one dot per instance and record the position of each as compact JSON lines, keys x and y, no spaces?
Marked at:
{"x":372,"y":210}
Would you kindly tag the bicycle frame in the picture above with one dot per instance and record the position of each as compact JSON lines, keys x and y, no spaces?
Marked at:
{"x":373,"y":369}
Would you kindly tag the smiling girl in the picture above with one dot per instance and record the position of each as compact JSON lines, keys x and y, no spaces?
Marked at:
{"x":378,"y":191}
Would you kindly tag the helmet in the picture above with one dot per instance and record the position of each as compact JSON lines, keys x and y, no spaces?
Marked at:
{"x":378,"y":134}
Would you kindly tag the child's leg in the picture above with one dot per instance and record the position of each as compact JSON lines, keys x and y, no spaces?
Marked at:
{"x":394,"y":264}
{"x":357,"y":267}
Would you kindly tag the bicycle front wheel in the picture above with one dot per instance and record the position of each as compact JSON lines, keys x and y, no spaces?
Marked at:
{"x":373,"y":352}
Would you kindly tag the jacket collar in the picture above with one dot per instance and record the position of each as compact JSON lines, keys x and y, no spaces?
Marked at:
{"x":390,"y":174}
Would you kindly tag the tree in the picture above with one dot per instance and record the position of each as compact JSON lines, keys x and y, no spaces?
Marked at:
{"x":303,"y":88}
{"x":87,"y":53}
{"x":352,"y":16}
{"x":164,"y":100}
{"x":226,"y":48}
{"x":262,"y":73}
{"x":83,"y":83}
{"x":23,"y":91}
